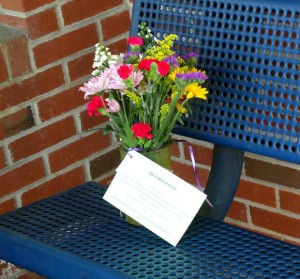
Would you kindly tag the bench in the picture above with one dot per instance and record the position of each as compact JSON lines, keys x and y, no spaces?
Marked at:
{"x":251,"y":51}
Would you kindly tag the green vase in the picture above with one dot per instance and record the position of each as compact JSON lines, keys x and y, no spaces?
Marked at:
{"x":161,"y":157}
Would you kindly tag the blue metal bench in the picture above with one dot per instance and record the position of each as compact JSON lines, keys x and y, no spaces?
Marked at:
{"x":250,"y":50}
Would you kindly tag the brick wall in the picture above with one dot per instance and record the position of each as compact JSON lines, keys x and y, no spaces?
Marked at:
{"x":268,"y":197}
{"x":46,"y":53}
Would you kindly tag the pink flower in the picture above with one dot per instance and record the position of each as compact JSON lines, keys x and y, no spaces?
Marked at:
{"x":137,"y":77}
{"x":124,"y":71}
{"x":115,"y":81}
{"x":141,"y":130}
{"x":94,"y":85}
{"x":94,"y":105}
{"x":113,"y":105}
{"x":135,"y":41}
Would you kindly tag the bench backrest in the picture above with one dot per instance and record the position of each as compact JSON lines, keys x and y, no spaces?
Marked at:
{"x":251,"y":53}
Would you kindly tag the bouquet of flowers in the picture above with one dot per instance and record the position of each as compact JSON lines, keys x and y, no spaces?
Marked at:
{"x":145,"y":91}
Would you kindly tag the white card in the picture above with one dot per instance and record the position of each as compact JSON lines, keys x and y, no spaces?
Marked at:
{"x":154,"y":197}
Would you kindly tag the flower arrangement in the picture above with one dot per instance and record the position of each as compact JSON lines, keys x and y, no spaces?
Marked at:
{"x":145,"y":91}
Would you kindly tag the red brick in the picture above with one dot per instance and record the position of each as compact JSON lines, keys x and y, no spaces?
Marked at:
{"x":14,"y":21}
{"x":17,"y":122}
{"x":54,"y":186}
{"x":60,"y":103}
{"x":290,"y":201}
{"x":23,"y":5}
{"x":175,"y":150}
{"x":276,"y":222}
{"x":266,"y":171}
{"x":118,"y":29}
{"x":75,"y":11}
{"x":256,"y":192}
{"x":16,"y":5}
{"x":67,"y":44}
{"x":119,"y":46}
{"x":1,"y":131}
{"x":31,"y":275}
{"x":2,"y":159}
{"x":237,"y":211}
{"x":202,"y":154}
{"x":7,"y":206}
{"x":17,"y":51}
{"x":78,"y":150}
{"x":106,"y":181}
{"x":81,"y":66}
{"x":186,"y":173}
{"x":90,"y":122}
{"x":105,"y":163}
{"x":32,"y":87}
{"x":3,"y":67}
{"x":21,"y":176}
{"x":42,"y":139}
{"x":46,"y":22}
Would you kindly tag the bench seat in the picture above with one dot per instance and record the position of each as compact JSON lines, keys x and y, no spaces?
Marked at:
{"x":77,"y":234}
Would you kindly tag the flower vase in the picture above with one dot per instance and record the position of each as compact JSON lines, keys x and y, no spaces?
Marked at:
{"x":161,"y":157}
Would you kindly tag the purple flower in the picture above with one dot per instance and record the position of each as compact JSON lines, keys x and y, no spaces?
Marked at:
{"x":190,"y":55}
{"x":129,"y":54}
{"x":172,"y":60}
{"x":192,"y":75}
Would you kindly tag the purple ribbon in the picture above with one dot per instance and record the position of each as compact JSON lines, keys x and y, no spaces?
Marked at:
{"x":192,"y":156}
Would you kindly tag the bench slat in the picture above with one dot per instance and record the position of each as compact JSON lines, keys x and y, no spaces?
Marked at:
{"x":251,"y":52}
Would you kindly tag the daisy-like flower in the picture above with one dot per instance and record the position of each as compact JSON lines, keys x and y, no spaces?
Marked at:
{"x":116,"y":82}
{"x":95,"y":85}
{"x":194,"y":90}
{"x":137,"y":77}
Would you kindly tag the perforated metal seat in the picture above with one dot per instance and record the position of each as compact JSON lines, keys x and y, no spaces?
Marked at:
{"x":79,"y":235}
{"x":250,"y":51}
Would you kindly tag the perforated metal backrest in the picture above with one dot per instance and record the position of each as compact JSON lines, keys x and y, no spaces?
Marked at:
{"x":250,"y":51}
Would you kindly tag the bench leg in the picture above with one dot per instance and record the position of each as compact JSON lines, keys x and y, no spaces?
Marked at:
{"x":223,"y":181}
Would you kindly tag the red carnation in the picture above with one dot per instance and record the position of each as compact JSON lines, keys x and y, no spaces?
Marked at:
{"x":141,"y":130}
{"x":163,"y":68}
{"x":94,"y":105}
{"x":145,"y":64}
{"x":124,"y":71}
{"x":135,"y":41}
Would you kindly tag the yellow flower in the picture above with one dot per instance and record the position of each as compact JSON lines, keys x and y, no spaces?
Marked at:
{"x":194,"y":90}
{"x":163,"y":48}
{"x":181,"y":109}
{"x":133,"y":97}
